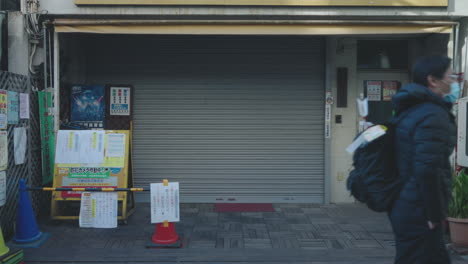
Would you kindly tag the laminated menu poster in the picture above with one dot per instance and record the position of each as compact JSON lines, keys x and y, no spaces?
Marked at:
{"x":98,"y":210}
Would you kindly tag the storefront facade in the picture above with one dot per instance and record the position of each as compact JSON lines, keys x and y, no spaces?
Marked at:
{"x":244,"y":103}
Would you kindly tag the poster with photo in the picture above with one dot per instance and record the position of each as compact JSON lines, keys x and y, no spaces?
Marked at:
{"x":390,"y":88}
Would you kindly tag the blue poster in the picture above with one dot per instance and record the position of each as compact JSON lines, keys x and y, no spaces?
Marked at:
{"x":87,"y":103}
{"x":13,"y":108}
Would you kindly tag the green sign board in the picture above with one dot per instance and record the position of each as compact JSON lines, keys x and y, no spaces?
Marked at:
{"x":89,"y":172}
{"x":46,"y":119}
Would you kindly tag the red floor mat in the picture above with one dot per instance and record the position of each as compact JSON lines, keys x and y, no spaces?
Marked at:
{"x":244,"y":207}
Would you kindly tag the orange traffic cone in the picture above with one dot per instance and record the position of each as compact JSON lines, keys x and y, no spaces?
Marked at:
{"x":165,"y":234}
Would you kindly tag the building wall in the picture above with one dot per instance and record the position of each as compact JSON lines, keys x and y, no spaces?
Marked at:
{"x":344,"y":52}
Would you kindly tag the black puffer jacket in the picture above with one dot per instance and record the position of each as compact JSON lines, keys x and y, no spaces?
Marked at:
{"x":425,"y":140}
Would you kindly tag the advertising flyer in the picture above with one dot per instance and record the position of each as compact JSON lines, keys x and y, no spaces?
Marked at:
{"x":374,"y":90}
{"x":3,"y":109}
{"x":13,"y":107}
{"x":24,"y":106}
{"x":389,"y":90}
{"x":120,"y":101}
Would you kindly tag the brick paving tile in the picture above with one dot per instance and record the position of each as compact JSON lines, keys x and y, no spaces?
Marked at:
{"x":201,"y":244}
{"x":278,"y":227}
{"x":366,"y":244}
{"x":285,"y":242}
{"x":359,"y":235}
{"x":351,"y":227}
{"x":252,"y":214}
{"x":303,"y":227}
{"x":297,"y":219}
{"x":257,"y":243}
{"x":252,"y":220}
{"x":230,"y":242}
{"x":313,"y":243}
{"x":233,"y":227}
{"x":204,"y":234}
{"x":306,"y":235}
{"x":255,"y":231}
{"x":335,"y":244}
{"x":282,"y":234}
{"x":326,"y":227}
{"x":292,"y":210}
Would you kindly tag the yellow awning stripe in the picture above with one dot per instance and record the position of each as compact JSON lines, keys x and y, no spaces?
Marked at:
{"x":254,"y":29}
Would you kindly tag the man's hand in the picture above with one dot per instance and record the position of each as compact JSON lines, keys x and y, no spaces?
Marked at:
{"x":431,"y":225}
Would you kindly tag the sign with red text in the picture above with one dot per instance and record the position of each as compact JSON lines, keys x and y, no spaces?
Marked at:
{"x":165,"y":202}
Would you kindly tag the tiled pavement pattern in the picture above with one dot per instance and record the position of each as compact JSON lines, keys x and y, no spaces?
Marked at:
{"x":294,"y":233}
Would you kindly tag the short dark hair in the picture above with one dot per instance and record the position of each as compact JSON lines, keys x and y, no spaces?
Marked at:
{"x":435,"y":65}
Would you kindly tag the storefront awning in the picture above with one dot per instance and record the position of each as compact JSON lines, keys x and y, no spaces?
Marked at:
{"x":245,"y":27}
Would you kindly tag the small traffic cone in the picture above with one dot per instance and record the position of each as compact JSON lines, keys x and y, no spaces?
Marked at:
{"x":3,"y":248}
{"x":27,"y":233}
{"x":165,"y":234}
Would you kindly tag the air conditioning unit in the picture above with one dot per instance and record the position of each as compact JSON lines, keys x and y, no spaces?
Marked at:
{"x":462,"y":142}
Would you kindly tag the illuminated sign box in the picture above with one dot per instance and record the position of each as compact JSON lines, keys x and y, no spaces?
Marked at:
{"x":367,"y":3}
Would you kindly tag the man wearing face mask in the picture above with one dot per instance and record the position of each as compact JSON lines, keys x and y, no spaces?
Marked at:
{"x":424,"y":140}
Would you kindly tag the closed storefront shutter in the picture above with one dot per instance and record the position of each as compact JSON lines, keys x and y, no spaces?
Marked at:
{"x":231,"y":118}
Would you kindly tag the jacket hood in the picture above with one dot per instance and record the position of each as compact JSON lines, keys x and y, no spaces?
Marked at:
{"x":412,"y":94}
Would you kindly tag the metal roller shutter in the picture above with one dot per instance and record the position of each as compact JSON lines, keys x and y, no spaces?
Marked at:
{"x":232,"y":118}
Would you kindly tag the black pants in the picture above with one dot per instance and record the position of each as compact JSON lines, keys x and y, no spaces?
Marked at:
{"x":415,"y":242}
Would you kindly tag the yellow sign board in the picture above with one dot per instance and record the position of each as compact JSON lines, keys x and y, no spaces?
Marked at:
{"x":113,"y":172}
{"x":407,"y":3}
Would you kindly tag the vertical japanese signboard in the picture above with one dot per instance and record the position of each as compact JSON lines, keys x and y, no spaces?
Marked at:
{"x":47,"y":135}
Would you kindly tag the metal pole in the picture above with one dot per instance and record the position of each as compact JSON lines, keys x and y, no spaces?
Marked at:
{"x":44,"y":36}
{"x":51,"y":189}
{"x":56,"y":86}
{"x":456,"y":59}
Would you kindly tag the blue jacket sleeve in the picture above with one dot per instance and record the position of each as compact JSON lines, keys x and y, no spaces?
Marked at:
{"x":430,"y":141}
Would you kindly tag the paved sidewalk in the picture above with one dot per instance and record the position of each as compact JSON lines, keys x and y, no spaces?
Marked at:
{"x":295,"y":233}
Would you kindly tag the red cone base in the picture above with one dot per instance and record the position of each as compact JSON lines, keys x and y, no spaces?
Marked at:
{"x":165,"y":235}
